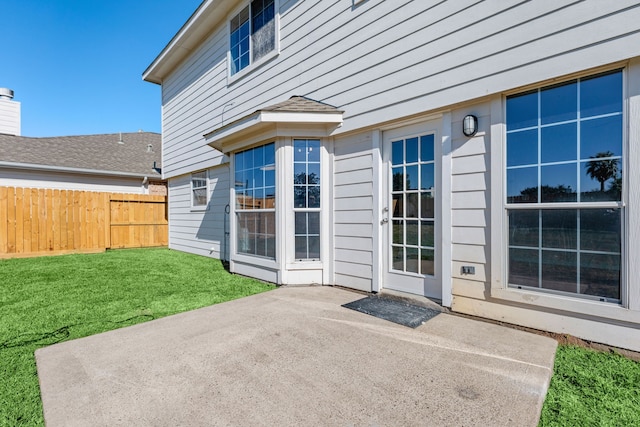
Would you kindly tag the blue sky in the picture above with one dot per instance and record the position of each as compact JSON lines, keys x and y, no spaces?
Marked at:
{"x":76,"y":65}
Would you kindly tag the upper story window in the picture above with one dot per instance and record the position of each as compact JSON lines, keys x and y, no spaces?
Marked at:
{"x":199,"y":189}
{"x":253,"y":34}
{"x":564,"y":187}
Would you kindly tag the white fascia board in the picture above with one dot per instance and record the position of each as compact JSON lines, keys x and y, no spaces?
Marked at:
{"x":262,"y":121}
{"x":31,"y":166}
{"x":197,"y":27}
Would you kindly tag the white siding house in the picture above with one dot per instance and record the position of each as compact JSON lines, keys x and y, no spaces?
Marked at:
{"x":322,"y":142}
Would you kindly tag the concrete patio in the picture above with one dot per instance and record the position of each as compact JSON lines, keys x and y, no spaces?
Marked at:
{"x":294,"y":356}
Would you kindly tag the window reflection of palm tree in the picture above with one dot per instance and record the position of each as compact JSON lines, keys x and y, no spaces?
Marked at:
{"x":603,"y":170}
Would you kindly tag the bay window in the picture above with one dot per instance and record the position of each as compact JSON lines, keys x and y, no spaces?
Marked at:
{"x":255,"y":195}
{"x":564,"y":175}
{"x":306,"y":198}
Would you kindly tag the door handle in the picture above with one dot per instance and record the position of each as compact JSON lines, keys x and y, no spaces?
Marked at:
{"x":384,"y":220}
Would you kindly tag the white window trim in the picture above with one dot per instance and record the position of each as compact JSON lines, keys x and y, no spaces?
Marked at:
{"x":199,"y":208}
{"x":232,"y":78}
{"x":499,"y":288}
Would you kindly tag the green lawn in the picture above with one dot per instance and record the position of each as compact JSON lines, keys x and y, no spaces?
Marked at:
{"x":592,"y":388}
{"x":52,"y":299}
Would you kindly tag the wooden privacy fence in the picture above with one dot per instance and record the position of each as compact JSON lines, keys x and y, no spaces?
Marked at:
{"x":45,"y":221}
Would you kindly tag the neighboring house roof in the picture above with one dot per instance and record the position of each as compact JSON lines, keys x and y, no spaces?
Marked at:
{"x":126,"y":154}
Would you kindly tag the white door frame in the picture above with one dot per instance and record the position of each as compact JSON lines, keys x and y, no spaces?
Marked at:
{"x":441,"y":123}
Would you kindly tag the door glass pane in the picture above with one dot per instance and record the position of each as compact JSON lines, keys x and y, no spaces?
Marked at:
{"x":397,"y":155}
{"x":398,"y":232}
{"x":412,"y":205}
{"x":411,"y":179}
{"x":412,"y":233}
{"x":398,"y":179}
{"x":427,"y":234}
{"x":427,"y":202}
{"x":398,"y":206}
{"x":427,"y":148}
{"x":427,"y":181}
{"x":412,"y":260}
{"x":427,"y":262}
{"x":397,"y":262}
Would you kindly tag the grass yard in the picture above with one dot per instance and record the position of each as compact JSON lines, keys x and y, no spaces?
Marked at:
{"x":47,"y":300}
{"x":591,"y":388}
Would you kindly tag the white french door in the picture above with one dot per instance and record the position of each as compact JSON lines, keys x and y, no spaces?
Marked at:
{"x":411,"y":220}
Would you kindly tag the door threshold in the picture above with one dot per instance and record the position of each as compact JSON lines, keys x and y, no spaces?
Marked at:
{"x":422,"y":301}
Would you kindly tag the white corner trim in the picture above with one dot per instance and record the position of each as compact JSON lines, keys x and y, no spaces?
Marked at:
{"x":496,"y":179}
{"x":445,"y":215}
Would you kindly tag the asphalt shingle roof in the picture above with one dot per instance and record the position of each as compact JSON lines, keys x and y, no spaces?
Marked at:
{"x":96,"y":152}
{"x":301,"y":104}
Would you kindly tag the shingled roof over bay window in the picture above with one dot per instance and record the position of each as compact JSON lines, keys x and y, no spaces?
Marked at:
{"x":297,"y":116}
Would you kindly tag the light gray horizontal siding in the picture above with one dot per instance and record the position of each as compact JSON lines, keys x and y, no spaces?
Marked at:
{"x":353,"y":212}
{"x":200,"y":232}
{"x":470,"y":197}
{"x":389,"y":59}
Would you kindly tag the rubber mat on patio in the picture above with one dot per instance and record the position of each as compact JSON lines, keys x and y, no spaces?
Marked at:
{"x":394,"y":311}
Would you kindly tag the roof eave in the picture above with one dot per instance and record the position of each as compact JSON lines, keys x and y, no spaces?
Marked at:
{"x":49,"y":168}
{"x":197,"y":27}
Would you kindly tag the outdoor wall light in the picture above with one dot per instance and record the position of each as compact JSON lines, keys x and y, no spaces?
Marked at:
{"x":469,"y":125}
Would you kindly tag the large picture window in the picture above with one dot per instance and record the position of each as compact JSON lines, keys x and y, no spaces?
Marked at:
{"x":252,"y":34}
{"x":564,"y":152}
{"x":306,"y":198}
{"x":255,"y":189}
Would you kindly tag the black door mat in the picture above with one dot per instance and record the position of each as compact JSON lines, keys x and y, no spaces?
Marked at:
{"x":393,"y":311}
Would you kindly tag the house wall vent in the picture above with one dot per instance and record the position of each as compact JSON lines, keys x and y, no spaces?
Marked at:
{"x":6,"y":93}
